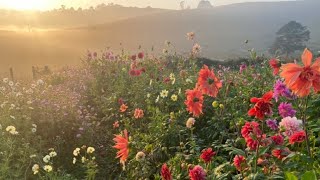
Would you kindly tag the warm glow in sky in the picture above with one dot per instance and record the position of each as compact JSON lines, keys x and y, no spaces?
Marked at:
{"x":50,"y":4}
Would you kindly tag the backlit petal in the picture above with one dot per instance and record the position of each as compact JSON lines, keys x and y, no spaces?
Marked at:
{"x":306,"y":57}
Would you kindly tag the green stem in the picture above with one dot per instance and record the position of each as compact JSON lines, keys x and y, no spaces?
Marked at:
{"x":304,"y":123}
{"x":256,"y":159}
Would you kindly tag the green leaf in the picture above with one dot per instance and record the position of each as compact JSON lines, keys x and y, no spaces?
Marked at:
{"x":264,"y":150}
{"x":309,"y":175}
{"x":236,"y":151}
{"x":290,"y":176}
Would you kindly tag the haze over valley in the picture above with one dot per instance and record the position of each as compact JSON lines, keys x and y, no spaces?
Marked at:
{"x":62,"y":37}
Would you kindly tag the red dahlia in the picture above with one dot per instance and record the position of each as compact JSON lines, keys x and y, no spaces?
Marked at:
{"x":298,"y":137}
{"x":262,"y":107}
{"x":207,"y":155}
{"x":275,"y":65}
{"x":239,"y":162}
{"x":165,"y":172}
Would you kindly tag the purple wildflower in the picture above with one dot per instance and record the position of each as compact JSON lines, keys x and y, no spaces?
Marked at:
{"x":285,"y":110}
{"x":280,"y":89}
{"x":89,"y":55}
{"x":242,"y":68}
{"x":272,"y":124}
{"x":95,"y":54}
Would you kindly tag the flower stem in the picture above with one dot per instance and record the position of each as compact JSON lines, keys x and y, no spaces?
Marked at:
{"x":257,"y":156}
{"x":304,"y":123}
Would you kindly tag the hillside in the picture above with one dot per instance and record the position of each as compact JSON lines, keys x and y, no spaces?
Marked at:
{"x":69,"y":17}
{"x":220,"y":31}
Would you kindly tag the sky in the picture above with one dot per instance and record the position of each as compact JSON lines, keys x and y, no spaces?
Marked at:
{"x":166,"y":4}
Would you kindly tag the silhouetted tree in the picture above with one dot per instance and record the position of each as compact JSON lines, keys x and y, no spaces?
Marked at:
{"x":182,"y":5}
{"x":291,"y":37}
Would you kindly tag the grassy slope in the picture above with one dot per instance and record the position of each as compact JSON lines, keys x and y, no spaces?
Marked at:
{"x":221,"y":32}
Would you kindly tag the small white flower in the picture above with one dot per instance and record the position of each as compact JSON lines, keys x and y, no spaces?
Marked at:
{"x":46,"y":159}
{"x":140,"y":156}
{"x":189,"y":81}
{"x":148,"y":95}
{"x":47,"y":168}
{"x":83,"y":159}
{"x":164,"y":93}
{"x":35,"y":168}
{"x":34,"y":130}
{"x":53,"y":154}
{"x":196,"y":49}
{"x":157,"y":100}
{"x":5,"y":80}
{"x":90,"y":150}
{"x":40,"y":82}
{"x":11,"y":130}
{"x":172,"y":76}
{"x":165,"y":51}
{"x":190,"y":35}
{"x":174,"y":97}
{"x":74,"y":160}
{"x":11,"y":83}
{"x":190,"y":122}
{"x":33,"y":156}
{"x":12,"y":106}
{"x":76,"y":152}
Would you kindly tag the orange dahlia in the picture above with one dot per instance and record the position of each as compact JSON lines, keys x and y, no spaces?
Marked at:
{"x":122,"y":144}
{"x":123,"y":108}
{"x":194,"y":101}
{"x":300,"y":79}
{"x":138,"y":113}
{"x":208,"y":82}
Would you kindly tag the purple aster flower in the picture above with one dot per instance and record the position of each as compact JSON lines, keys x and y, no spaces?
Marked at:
{"x":285,"y":110}
{"x":280,"y":89}
{"x":272,"y":124}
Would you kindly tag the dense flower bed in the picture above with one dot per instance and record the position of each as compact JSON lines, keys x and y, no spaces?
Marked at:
{"x":146,"y":117}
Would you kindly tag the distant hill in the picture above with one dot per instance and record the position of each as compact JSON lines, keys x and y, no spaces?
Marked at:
{"x":221,"y":32}
{"x":69,"y":17}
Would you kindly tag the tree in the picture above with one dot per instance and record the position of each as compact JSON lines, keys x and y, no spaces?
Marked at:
{"x":291,"y":37}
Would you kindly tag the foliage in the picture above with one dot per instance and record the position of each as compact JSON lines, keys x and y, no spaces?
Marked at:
{"x":63,"y":125}
{"x":291,"y":37}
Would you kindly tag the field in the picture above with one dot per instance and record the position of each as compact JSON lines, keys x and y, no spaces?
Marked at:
{"x":145,"y":116}
{"x":139,"y":96}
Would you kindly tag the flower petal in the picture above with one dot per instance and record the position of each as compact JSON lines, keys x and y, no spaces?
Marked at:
{"x":306,"y":57}
{"x":267,"y":96}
